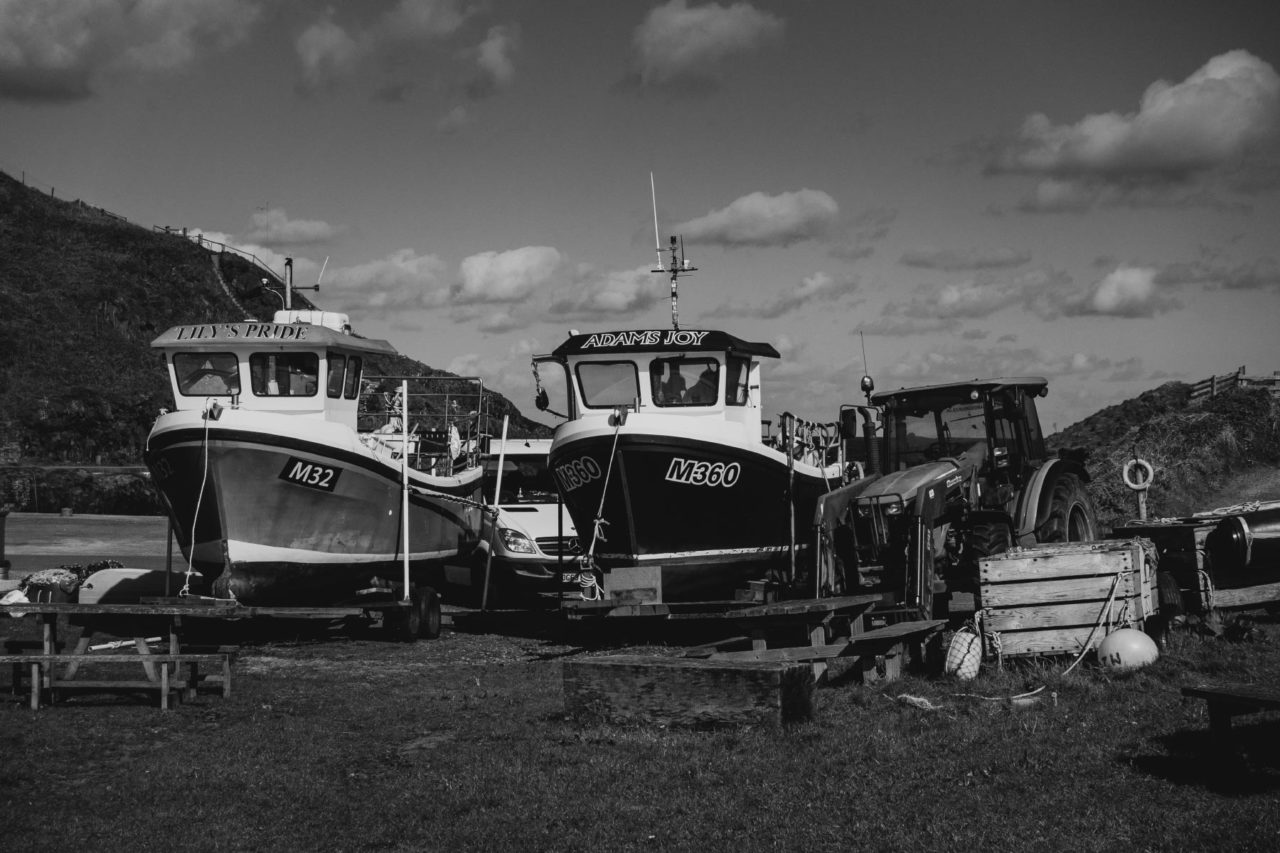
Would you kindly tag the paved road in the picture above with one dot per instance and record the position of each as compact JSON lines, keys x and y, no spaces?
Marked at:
{"x":35,"y":541}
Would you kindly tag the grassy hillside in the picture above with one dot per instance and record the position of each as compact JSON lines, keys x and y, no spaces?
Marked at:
{"x":82,"y":294}
{"x":1194,"y":447}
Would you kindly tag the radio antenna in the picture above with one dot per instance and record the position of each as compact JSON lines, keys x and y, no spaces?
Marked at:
{"x":678,"y":264}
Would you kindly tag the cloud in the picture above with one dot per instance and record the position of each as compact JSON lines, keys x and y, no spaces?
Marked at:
{"x":677,"y":43}
{"x":454,"y":121}
{"x":960,"y":362}
{"x":1127,"y":291}
{"x":329,"y":53}
{"x":611,"y":296}
{"x":1259,"y":274}
{"x":274,"y":228}
{"x":762,"y":220}
{"x":954,"y":260}
{"x":403,"y":280}
{"x":1222,"y":120}
{"x":496,"y":61}
{"x":505,"y":276}
{"x":51,"y":52}
{"x":819,"y":287}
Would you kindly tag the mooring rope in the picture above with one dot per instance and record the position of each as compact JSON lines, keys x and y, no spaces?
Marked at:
{"x":204,"y":479}
{"x":591,"y":589}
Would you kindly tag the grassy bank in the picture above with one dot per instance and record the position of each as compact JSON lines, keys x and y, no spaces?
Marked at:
{"x":347,"y":743}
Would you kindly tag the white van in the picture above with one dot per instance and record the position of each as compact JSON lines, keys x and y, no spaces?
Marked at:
{"x":535,"y":540}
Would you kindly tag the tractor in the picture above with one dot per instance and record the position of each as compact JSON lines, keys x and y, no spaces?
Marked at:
{"x":952,"y":473}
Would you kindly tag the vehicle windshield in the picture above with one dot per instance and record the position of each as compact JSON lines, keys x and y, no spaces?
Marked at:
{"x":942,"y":433}
{"x":684,"y":381}
{"x":525,"y":480}
{"x":207,"y":374}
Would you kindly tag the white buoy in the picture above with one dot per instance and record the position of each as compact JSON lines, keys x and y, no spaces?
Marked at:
{"x":1127,"y":648}
{"x":964,"y":655}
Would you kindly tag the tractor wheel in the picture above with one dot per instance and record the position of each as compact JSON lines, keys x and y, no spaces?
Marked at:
{"x":987,"y":538}
{"x":1069,"y":516}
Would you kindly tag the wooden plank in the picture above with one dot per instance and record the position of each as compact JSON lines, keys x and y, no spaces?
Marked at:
{"x":687,"y":692}
{"x":787,"y":653}
{"x":1035,"y":567}
{"x":1049,"y":642}
{"x":1054,"y":591}
{"x":1246,"y":695}
{"x":1247,"y":596}
{"x":1044,"y":616}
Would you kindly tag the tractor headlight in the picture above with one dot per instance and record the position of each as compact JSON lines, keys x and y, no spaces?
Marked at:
{"x":516,"y":542}
{"x":894,"y":508}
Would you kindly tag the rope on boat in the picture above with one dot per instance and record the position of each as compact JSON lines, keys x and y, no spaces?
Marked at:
{"x":204,"y":479}
{"x":588,"y":574}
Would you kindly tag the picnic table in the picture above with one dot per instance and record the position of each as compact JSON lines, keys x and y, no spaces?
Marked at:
{"x":55,"y":665}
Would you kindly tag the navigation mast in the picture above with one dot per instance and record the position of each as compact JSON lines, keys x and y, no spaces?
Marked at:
{"x":678,"y":263}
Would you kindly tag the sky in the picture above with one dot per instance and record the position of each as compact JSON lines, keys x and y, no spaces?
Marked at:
{"x":1085,"y":191}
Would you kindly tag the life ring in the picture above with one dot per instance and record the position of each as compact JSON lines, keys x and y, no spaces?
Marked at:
{"x":1128,"y":471}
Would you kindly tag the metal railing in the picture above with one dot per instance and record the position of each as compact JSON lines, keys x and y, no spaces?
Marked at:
{"x":448,"y":418}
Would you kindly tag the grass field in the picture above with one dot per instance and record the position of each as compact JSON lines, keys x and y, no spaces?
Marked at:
{"x":338,"y":740}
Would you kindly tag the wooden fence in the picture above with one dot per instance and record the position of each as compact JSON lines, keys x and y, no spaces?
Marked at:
{"x":1215,"y":385}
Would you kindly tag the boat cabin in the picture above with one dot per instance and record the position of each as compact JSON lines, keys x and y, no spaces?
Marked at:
{"x":689,"y":372}
{"x":299,"y":364}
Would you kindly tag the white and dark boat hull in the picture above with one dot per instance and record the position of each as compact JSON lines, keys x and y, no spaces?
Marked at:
{"x":711,"y":514}
{"x":283,"y":520}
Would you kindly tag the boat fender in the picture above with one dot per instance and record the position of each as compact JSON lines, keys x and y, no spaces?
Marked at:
{"x":1127,"y":648}
{"x":964,"y":654}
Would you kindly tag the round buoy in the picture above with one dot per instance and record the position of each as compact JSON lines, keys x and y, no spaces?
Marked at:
{"x":964,"y":655}
{"x":1127,"y":648}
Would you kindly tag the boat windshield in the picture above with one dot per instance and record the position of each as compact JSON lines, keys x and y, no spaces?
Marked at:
{"x":681,"y":381}
{"x":606,"y":384}
{"x":207,"y":374}
{"x":284,"y":374}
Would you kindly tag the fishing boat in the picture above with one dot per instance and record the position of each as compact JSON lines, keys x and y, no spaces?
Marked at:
{"x":667,"y":465}
{"x":293,"y":478}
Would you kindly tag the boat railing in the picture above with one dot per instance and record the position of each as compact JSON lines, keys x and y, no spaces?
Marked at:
{"x":448,"y":416}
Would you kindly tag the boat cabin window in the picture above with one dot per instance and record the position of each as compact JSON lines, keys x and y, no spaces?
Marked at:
{"x":285,"y":374}
{"x":606,"y":384}
{"x":355,"y":364}
{"x":737,"y":377}
{"x":682,"y":381}
{"x":337,"y":372}
{"x":207,"y":374}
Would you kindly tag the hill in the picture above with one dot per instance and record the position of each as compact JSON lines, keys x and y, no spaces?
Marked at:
{"x":1197,"y":448}
{"x":82,"y":295}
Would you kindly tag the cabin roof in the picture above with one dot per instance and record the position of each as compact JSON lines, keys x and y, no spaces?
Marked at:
{"x":661,"y":340}
{"x":950,"y":392}
{"x":255,"y":335}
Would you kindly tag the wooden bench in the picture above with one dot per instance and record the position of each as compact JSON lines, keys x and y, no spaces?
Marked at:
{"x":687,"y":691}
{"x":44,"y":672}
{"x":1232,"y":701}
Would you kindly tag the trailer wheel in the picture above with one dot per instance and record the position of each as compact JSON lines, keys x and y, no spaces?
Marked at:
{"x":426,"y":603}
{"x":1069,"y":515}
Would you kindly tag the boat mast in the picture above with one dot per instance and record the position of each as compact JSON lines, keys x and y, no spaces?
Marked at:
{"x":678,"y":264}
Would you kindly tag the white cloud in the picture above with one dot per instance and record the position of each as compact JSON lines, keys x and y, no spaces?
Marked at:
{"x":952,"y":260}
{"x":678,"y":43}
{"x":496,"y":59}
{"x":614,"y":295}
{"x":819,"y":287}
{"x":327,"y":54}
{"x":454,"y":120}
{"x":55,"y":51}
{"x":273,"y":227}
{"x":403,"y":280}
{"x":1127,"y":291}
{"x":1219,"y":114}
{"x":505,"y":276}
{"x":763,"y":220}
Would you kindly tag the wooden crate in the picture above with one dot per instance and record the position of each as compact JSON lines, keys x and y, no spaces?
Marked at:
{"x":1047,"y":599}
